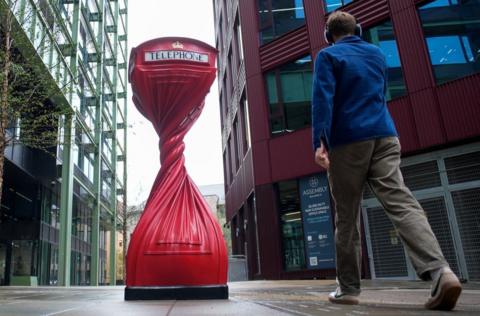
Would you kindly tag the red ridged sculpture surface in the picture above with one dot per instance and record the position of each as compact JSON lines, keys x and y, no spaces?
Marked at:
{"x":177,"y":241}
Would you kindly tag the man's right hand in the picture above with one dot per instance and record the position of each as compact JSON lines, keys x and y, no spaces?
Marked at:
{"x":321,"y":156}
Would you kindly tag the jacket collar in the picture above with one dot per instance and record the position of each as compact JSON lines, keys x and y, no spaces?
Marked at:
{"x":349,"y":39}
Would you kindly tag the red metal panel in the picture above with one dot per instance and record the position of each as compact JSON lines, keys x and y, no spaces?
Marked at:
{"x":258,"y":109}
{"x":460,"y":106}
{"x":249,"y":21}
{"x":296,"y":43}
{"x":236,"y":189}
{"x":368,"y":12}
{"x":401,"y":110}
{"x":229,"y":209}
{"x":231,"y":198}
{"x":315,"y":17}
{"x":413,"y":50}
{"x":261,"y":163}
{"x":268,"y":232}
{"x":428,"y":119}
{"x":288,"y":47}
{"x":398,"y":5}
{"x":292,"y":156}
{"x":241,"y":188}
{"x":249,"y":183}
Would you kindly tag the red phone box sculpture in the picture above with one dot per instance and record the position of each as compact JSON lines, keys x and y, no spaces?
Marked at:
{"x":177,"y":250}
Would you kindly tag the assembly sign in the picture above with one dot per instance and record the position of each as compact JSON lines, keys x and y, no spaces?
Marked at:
{"x":317,"y":222}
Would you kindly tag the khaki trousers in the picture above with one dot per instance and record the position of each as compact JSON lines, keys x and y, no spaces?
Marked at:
{"x":376,"y":162}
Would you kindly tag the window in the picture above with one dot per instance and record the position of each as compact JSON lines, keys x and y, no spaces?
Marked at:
{"x":83,"y":153}
{"x":451,"y":29}
{"x":24,"y":257}
{"x":224,"y":93}
{"x":331,"y":5}
{"x":230,"y":74}
{"x":47,"y":13}
{"x":233,"y":154}
{"x":66,"y":13}
{"x":226,"y":180}
{"x":236,"y":151}
{"x":220,"y":32}
{"x":279,"y":17}
{"x":39,"y":33}
{"x":222,"y":107}
{"x":229,"y":160}
{"x":289,"y":95}
{"x":383,"y":37}
{"x":245,"y":124}
{"x":239,"y":39}
{"x":81,"y":216}
{"x":291,"y":226}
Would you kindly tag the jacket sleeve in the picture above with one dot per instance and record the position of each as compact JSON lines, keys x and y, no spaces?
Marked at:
{"x":385,"y":77}
{"x":322,"y":100}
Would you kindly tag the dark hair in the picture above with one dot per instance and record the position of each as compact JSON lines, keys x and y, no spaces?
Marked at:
{"x":341,"y":23}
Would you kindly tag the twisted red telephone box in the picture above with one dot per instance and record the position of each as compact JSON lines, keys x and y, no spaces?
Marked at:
{"x":177,"y":250}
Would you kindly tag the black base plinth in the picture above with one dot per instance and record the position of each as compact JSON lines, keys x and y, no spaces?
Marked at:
{"x":209,"y":292}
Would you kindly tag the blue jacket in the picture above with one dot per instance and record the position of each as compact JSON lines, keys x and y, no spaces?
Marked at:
{"x":348,"y":102}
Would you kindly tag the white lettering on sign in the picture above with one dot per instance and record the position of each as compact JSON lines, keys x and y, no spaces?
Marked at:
{"x":176,"y":55}
{"x":315,"y":190}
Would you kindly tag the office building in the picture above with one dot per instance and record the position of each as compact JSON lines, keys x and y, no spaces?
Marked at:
{"x":58,"y":214}
{"x":267,"y":50}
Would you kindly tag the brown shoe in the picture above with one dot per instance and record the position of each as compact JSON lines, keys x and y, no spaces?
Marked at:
{"x":445,"y":291}
{"x":338,"y":297}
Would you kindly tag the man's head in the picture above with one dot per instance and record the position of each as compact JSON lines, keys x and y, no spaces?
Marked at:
{"x":341,"y":24}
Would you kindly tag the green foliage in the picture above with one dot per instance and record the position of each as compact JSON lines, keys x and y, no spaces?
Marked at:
{"x":35,"y":103}
{"x":30,"y":104}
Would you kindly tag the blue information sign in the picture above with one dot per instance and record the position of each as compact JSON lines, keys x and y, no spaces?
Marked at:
{"x":317,"y":222}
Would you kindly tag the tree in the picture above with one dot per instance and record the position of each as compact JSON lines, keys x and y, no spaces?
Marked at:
{"x":30,"y":99}
{"x":129,"y":217}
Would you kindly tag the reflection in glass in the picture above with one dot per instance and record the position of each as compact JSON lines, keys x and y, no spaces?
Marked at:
{"x":289,"y":89}
{"x":3,"y":263}
{"x":24,"y":258}
{"x":383,"y":37}
{"x":331,"y":5}
{"x":279,"y":17}
{"x":452,"y":33}
{"x":291,"y":226}
{"x":48,"y":268}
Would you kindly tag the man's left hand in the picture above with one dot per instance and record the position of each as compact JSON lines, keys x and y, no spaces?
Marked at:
{"x":321,"y":157}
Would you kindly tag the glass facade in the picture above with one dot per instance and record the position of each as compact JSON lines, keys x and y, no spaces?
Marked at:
{"x":24,"y":255}
{"x":90,"y":69}
{"x":289,"y":94}
{"x":331,"y":5}
{"x":291,"y":226}
{"x":48,"y":274}
{"x":279,"y":17}
{"x":50,"y":225}
{"x":383,"y":36}
{"x":3,"y":263}
{"x":104,"y":246}
{"x":452,"y":34}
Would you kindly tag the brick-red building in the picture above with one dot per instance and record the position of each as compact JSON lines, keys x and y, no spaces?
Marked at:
{"x":265,"y":67}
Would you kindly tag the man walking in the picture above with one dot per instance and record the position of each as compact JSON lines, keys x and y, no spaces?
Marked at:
{"x":355,"y":139}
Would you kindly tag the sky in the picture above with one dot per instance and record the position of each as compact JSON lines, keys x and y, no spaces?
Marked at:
{"x":149,"y":19}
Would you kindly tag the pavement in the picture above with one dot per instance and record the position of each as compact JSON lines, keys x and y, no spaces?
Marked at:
{"x":252,"y":298}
